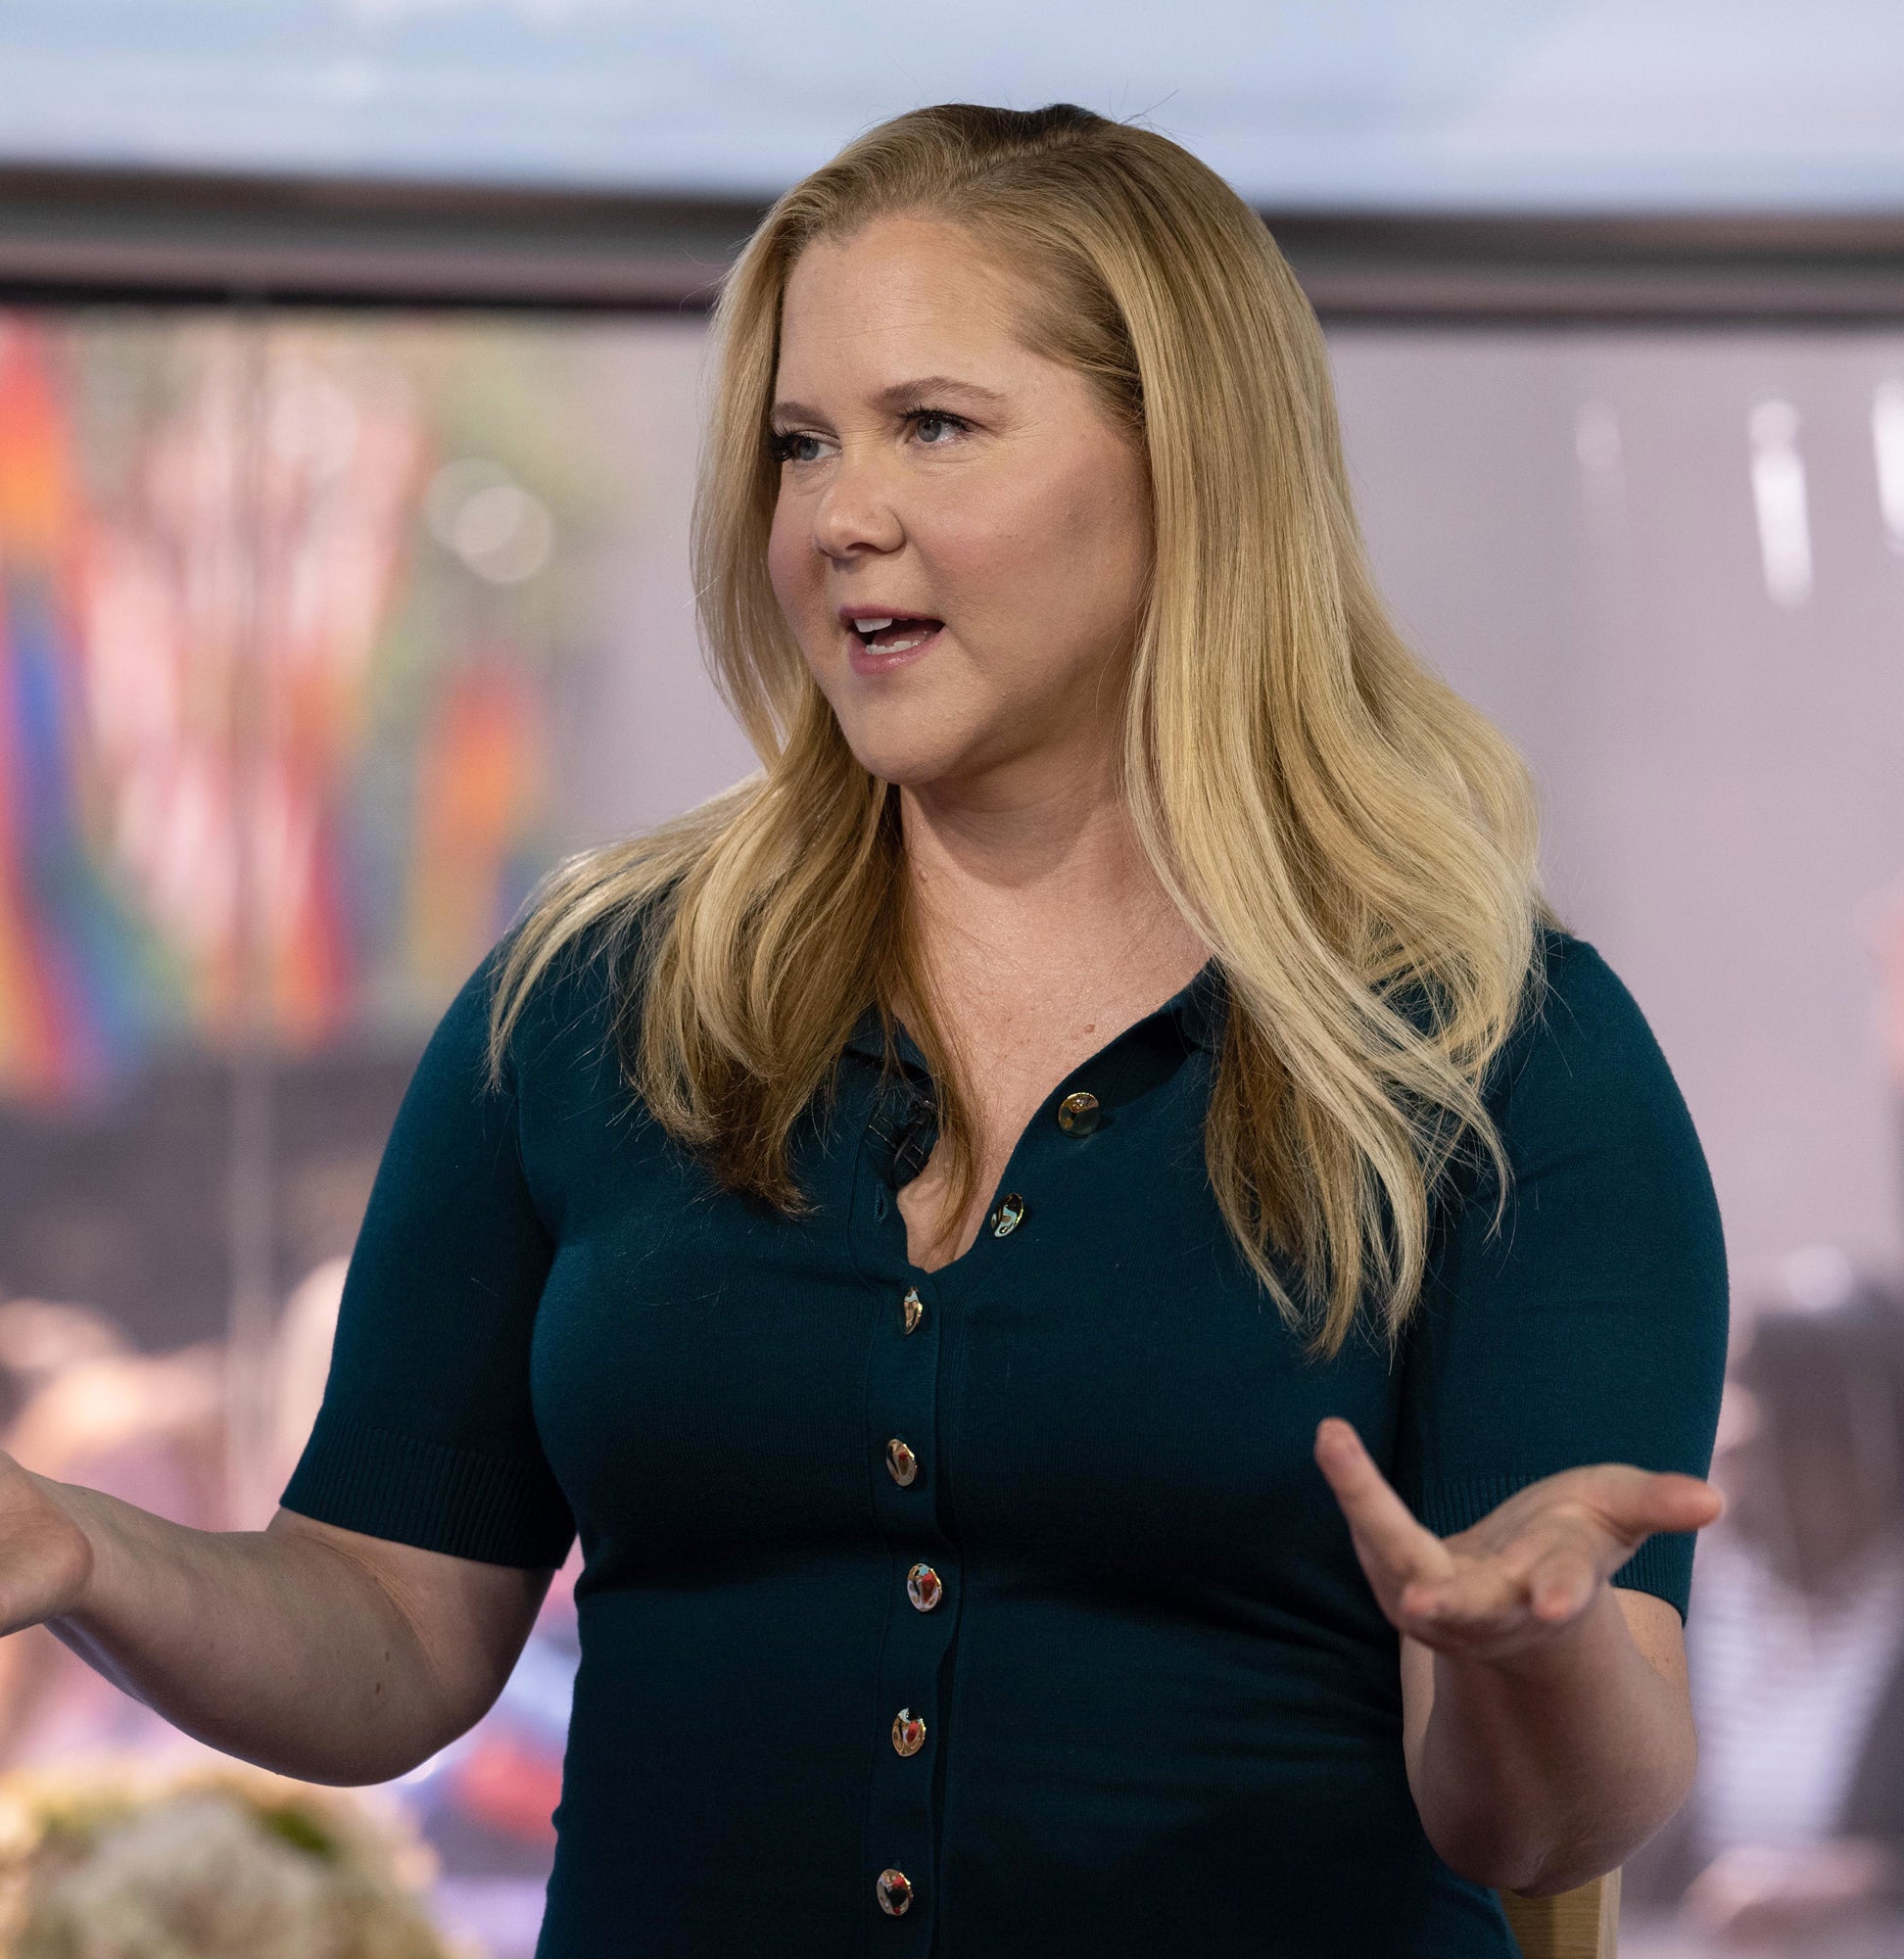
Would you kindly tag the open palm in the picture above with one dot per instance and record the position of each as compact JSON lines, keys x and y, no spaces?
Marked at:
{"x":1527,"y":1570}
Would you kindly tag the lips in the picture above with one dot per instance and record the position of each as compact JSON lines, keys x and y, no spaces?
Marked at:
{"x":878,"y":639}
{"x":891,"y":632}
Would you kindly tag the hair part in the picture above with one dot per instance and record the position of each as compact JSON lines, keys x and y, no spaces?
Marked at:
{"x":1353,"y":842}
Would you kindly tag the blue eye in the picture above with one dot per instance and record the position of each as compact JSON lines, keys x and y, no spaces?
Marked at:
{"x":794,"y":447}
{"x":924,"y":419}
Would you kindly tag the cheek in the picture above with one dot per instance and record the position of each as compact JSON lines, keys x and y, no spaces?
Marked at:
{"x":1070,"y":546}
{"x":791,"y":564}
{"x":1114,"y":514}
{"x":1078,"y":556}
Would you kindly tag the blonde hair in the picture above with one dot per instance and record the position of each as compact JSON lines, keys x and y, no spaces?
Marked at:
{"x":1353,"y":842}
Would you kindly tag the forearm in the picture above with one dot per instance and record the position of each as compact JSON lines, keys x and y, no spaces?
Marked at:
{"x":273,"y":1648}
{"x":1541,"y":1773}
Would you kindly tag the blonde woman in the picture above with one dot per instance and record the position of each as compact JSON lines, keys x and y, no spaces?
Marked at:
{"x":1130,"y":1330}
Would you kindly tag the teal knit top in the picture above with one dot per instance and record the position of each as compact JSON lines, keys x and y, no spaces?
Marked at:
{"x":1001,"y":1610}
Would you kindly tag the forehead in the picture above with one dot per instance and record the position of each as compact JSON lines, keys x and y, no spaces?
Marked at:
{"x":899,"y":297}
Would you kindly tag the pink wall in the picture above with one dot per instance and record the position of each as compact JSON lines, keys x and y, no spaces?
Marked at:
{"x":1570,"y":525}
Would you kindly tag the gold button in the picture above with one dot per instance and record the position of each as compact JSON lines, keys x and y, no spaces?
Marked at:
{"x":902,"y":1465}
{"x":1008,"y":1214}
{"x":1078,"y":1115}
{"x":913,"y":1308}
{"x":908,"y":1732}
{"x":895,"y":1893}
{"x":922,"y":1587}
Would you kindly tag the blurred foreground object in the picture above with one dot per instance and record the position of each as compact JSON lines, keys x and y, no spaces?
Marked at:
{"x":121,"y":1861}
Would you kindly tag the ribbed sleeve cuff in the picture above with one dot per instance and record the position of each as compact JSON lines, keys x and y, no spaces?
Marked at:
{"x":1662,"y":1565}
{"x":495,"y":1509}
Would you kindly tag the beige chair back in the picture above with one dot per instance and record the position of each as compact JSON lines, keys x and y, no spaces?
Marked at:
{"x":1583,"y":1924}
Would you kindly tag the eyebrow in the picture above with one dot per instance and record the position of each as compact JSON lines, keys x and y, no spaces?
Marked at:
{"x":901,"y":395}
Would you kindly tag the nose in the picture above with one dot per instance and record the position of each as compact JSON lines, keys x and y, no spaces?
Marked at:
{"x":854,"y":515}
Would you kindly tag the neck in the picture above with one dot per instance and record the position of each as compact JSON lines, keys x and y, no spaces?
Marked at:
{"x":1015,"y":878}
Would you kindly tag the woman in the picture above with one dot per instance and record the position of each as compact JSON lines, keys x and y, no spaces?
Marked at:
{"x":1104,"y":1292}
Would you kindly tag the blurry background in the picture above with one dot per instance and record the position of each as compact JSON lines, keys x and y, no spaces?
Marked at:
{"x":350,"y":358}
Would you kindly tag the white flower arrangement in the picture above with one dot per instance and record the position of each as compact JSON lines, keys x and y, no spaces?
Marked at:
{"x":129,"y":1860}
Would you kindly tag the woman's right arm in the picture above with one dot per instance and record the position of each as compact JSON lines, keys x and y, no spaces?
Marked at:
{"x":378,"y":1616}
{"x":312,"y":1651}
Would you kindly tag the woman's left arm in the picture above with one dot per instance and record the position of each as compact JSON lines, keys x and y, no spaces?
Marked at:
{"x":1545,"y":1717}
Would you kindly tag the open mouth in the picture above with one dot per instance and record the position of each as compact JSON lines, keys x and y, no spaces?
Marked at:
{"x":896,"y":632}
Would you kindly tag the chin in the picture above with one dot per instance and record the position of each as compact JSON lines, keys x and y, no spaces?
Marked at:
{"x":903,"y":764}
{"x":897,"y":749}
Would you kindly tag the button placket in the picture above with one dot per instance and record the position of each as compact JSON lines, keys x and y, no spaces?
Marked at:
{"x":901,"y":1437}
{"x":924,"y":1598}
{"x":901,"y":1440}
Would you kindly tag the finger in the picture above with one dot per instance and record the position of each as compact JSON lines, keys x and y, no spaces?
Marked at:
{"x":1637,"y":1503}
{"x":1501,"y":1578}
{"x":1489,"y":1594}
{"x":1562,"y":1585}
{"x":1551,"y":1563}
{"x":1546,"y":1576}
{"x":1382,"y":1524}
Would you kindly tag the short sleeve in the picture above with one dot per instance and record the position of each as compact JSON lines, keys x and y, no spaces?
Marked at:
{"x":1591,"y":1326}
{"x":426,"y":1434}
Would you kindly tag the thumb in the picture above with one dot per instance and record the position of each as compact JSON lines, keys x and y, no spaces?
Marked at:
{"x":1647,"y":1501}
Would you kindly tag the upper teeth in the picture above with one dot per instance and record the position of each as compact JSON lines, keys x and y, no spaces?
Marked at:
{"x":873,"y":625}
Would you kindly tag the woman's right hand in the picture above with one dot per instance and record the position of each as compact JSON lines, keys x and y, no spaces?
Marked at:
{"x":46,"y":1559}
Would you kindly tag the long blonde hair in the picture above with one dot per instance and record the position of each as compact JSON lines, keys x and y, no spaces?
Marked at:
{"x":1353,"y":842}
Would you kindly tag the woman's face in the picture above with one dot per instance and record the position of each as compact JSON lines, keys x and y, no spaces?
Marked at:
{"x":937,"y":474}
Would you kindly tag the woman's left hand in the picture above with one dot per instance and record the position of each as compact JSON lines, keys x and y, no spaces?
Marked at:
{"x":1523,"y":1575}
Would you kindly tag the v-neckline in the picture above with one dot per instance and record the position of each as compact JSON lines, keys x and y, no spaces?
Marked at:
{"x":1190,"y":1005}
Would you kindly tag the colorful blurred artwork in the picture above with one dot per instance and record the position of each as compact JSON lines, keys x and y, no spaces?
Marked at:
{"x":293,"y":613}
{"x":63,"y":939}
{"x":272,"y":726}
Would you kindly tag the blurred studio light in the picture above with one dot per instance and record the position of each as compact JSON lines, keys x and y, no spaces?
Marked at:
{"x":1779,"y":495}
{"x":1887,"y":439}
{"x":503,"y":532}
